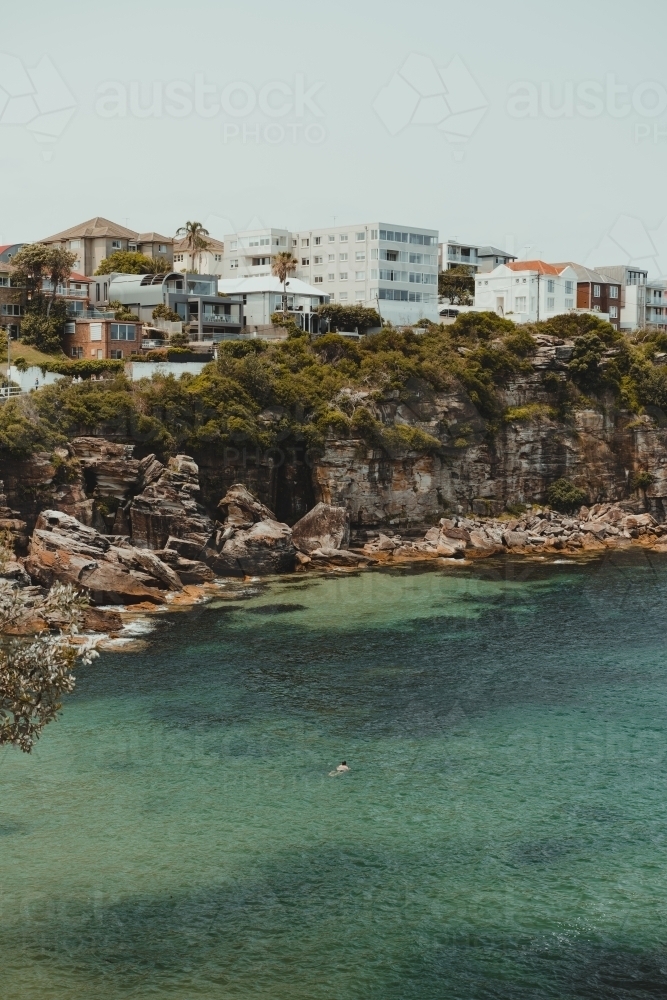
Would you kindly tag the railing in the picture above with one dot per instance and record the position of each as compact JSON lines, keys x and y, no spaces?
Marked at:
{"x":90,"y":314}
{"x":11,"y":390}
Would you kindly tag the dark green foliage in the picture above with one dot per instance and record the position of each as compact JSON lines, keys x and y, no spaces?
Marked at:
{"x":45,"y":331}
{"x":20,"y":432}
{"x":565,"y":496}
{"x":132,"y":262}
{"x":94,"y":366}
{"x":162,"y":311}
{"x":349,"y":318}
{"x":457,"y":284}
{"x":642,"y":481}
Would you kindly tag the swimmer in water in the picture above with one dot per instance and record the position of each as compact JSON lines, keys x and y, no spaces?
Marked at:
{"x":341,"y":769}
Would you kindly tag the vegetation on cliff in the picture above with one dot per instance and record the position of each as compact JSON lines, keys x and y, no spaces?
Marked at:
{"x":261,"y":395}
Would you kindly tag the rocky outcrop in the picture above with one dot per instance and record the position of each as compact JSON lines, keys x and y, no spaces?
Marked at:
{"x":168,"y":509}
{"x":252,"y":542}
{"x":323,"y":527}
{"x":65,"y":550}
{"x":13,"y":530}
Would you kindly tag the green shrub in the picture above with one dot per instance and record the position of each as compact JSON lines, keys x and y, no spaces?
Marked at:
{"x":565,"y":496}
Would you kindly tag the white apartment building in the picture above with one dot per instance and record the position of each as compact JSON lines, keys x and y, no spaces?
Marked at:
{"x":393,"y":269}
{"x":527,"y":291}
{"x":208,"y":261}
{"x":656,"y":304}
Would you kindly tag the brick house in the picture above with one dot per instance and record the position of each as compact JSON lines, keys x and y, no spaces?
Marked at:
{"x":597,"y":292}
{"x":12,"y":302}
{"x":101,"y":337}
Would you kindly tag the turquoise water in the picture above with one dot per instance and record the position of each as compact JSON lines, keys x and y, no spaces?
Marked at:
{"x":502,"y":832}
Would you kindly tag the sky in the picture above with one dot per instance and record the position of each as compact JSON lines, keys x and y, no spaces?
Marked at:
{"x":537,"y":127}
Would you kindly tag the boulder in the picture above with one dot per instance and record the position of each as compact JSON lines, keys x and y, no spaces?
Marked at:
{"x":189,"y":571}
{"x":515,"y":539}
{"x":265,"y":548}
{"x":323,"y":527}
{"x":169,"y":506}
{"x":240,"y":509}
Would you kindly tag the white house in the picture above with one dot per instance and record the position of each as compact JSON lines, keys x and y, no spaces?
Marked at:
{"x":393,"y":269}
{"x":209,"y":261}
{"x":263,"y":295}
{"x":527,"y":291}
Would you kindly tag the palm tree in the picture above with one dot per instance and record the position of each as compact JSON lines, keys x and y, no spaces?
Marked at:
{"x":195,"y":238}
{"x":282,"y":265}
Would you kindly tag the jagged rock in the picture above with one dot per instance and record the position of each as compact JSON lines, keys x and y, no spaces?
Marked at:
{"x":323,"y":527}
{"x":108,"y":467}
{"x":338,"y":557}
{"x":15,"y":573}
{"x":515,"y":539}
{"x":169,"y":507}
{"x":240,"y":509}
{"x":98,"y":620}
{"x":189,"y":571}
{"x":147,"y":562}
{"x":265,"y":548}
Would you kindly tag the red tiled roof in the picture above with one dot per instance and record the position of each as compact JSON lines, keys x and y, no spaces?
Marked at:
{"x":80,"y":278}
{"x":535,"y":265}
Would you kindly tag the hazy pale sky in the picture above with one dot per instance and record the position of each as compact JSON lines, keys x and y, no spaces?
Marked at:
{"x":536,"y":123}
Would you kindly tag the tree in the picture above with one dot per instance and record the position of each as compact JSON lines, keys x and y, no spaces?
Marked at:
{"x":162,"y":311}
{"x":45,"y":331}
{"x":282,"y":265}
{"x":565,"y":496}
{"x":38,"y":262}
{"x":195,"y":239}
{"x":35,"y":673}
{"x":457,"y":285}
{"x":340,"y":317}
{"x":132,"y":262}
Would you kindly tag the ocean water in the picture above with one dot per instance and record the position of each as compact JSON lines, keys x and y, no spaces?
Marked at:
{"x":501,"y":833}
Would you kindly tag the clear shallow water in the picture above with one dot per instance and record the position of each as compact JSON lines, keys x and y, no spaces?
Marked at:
{"x":502,"y":832}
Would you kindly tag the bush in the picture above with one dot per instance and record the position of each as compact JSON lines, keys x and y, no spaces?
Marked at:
{"x":96,"y":366}
{"x":642,"y":481}
{"x":565,"y":496}
{"x":349,"y":318}
{"x":162,"y":311}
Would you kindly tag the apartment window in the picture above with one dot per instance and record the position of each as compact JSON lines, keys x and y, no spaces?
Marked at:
{"x":95,"y":331}
{"x":305,"y":243}
{"x":387,"y":275}
{"x":374,"y":274}
{"x":218,"y":256}
{"x":233,"y":245}
{"x":374,"y":253}
{"x":343,"y":276}
{"x":331,"y":276}
{"x":317,"y":280}
{"x":569,"y":303}
{"x":360,"y":237}
{"x":343,"y":296}
{"x":332,"y":238}
{"x":331,"y":258}
{"x":318,"y":260}
{"x":115,"y":244}
{"x":569,"y":287}
{"x":613,"y":291}
{"x":305,"y":261}
{"x":12,"y":310}
{"x":415,"y":277}
{"x":613,"y":312}
{"x":342,"y":256}
{"x":75,"y":244}
{"x":70,"y":328}
{"x":76,"y":352}
{"x":265,"y":241}
{"x":317,"y":241}
{"x":374,"y":234}
{"x":233,"y":264}
{"x":596,"y":291}
{"x":343,"y":237}
{"x":360,"y":255}
{"x":260,"y":261}
{"x":551,"y":285}
{"x":178,"y":258}
{"x":132,"y":247}
{"x":294,"y":241}
{"x":4,"y":281}
{"x":123,"y":331}
{"x":162,"y":248}
{"x":359,"y":275}
{"x":116,"y":355}
{"x":551,"y":304}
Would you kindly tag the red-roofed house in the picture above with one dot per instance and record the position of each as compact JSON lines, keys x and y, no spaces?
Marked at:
{"x":527,"y":291}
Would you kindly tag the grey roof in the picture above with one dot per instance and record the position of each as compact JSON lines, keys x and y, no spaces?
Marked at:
{"x":585,"y":273}
{"x":494,"y":252}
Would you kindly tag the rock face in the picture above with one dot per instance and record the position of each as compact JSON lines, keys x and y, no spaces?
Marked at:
{"x":64,"y":550}
{"x":13,"y":530}
{"x":169,"y":508}
{"x":252,"y":542}
{"x":323,"y":527}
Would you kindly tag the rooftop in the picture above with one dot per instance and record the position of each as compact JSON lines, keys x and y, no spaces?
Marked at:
{"x":536,"y":265}
{"x":182,"y":244}
{"x":93,"y":227}
{"x":494,"y":252}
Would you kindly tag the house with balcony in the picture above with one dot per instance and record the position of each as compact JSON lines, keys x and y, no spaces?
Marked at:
{"x":101,"y":336}
{"x":208,"y":261}
{"x":207,"y":317}
{"x":527,"y":291}
{"x":263,"y":296}
{"x":489,"y":257}
{"x":12,"y":302}
{"x":98,"y":238}
{"x":656,"y":305}
{"x":453,"y":254}
{"x":248,"y":254}
{"x":75,"y":291}
{"x":632,"y":281}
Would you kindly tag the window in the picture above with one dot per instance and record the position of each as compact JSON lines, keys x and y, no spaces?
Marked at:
{"x":374,"y":253}
{"x":374,"y":274}
{"x":95,"y":331}
{"x":294,"y":241}
{"x":331,"y":276}
{"x":162,"y":248}
{"x":260,"y":261}
{"x":551,"y":285}
{"x":360,"y":255}
{"x":178,"y":258}
{"x":122,"y":331}
{"x":305,"y":261}
{"x":374,"y":234}
{"x":613,"y":291}
{"x":332,"y":238}
{"x":317,"y":241}
{"x":75,"y":244}
{"x":360,"y":237}
{"x":317,"y":280}
{"x":305,"y":243}
{"x":342,"y":276}
{"x":218,"y":256}
{"x":233,"y":245}
{"x":331,"y":258}
{"x":265,"y":241}
{"x":613,"y":312}
{"x":569,"y":287}
{"x":317,"y":260}
{"x":115,"y":244}
{"x":233,"y":264}
{"x":520,"y":303}
{"x":76,"y":352}
{"x":12,"y":310}
{"x":415,"y":277}
{"x":596,"y":291}
{"x":359,"y":275}
{"x":4,"y":281}
{"x":343,"y":237}
{"x":387,"y":275}
{"x":343,"y":296}
{"x":551,"y":304}
{"x":132,"y":247}
{"x":116,"y":355}
{"x":569,"y":303}
{"x":342,"y":256}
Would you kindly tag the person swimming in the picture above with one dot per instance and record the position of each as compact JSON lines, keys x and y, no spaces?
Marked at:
{"x":341,"y":769}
